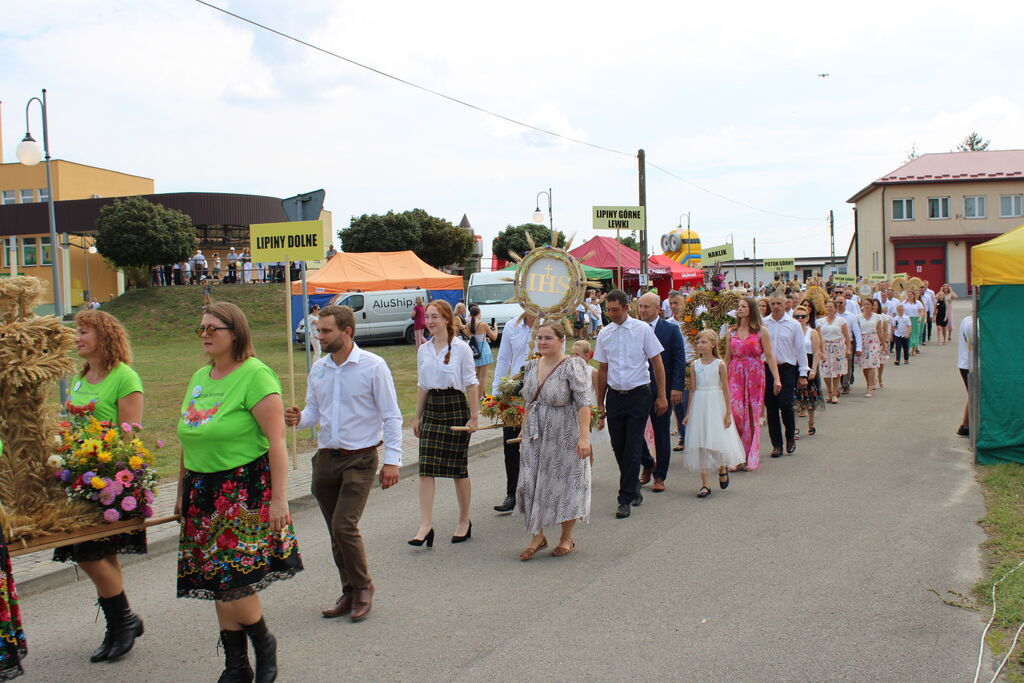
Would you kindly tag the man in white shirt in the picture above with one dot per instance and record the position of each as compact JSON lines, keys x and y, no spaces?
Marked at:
{"x":199,"y":263}
{"x":929,"y":301}
{"x":515,"y":345}
{"x":351,"y":398}
{"x":666,"y":306}
{"x":232,"y":265}
{"x":788,"y":348}
{"x":965,"y":363}
{"x":624,"y":349}
{"x":849,"y":313}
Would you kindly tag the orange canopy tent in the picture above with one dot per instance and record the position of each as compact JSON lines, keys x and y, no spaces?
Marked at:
{"x":374,"y":271}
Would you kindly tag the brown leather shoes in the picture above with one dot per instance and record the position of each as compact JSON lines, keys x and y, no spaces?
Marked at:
{"x":362,"y":601}
{"x":342,"y":607}
{"x":645,"y":476}
{"x":659,"y":486}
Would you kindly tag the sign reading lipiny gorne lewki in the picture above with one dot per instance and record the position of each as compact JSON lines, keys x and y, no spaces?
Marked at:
{"x":292,"y":241}
{"x":628,"y":218}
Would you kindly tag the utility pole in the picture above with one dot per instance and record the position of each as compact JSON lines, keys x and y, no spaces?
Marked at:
{"x":753,"y":283}
{"x":641,"y":164}
{"x":832,"y":237}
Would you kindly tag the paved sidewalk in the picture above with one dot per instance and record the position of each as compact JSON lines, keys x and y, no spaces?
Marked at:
{"x":37,"y":572}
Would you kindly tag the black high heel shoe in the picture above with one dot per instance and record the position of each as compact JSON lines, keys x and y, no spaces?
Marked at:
{"x":469,"y":535}
{"x":428,"y":539}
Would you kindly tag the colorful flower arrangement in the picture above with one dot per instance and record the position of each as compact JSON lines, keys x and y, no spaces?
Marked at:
{"x":102,"y":463}
{"x":507,"y":407}
{"x":705,"y":310}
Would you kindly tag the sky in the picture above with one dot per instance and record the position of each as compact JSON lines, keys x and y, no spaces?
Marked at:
{"x":727,"y":97}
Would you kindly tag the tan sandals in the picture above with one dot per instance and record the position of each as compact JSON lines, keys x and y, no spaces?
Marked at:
{"x":561,"y":551}
{"x":530,"y":552}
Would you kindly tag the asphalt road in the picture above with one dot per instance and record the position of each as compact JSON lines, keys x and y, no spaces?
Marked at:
{"x":817,"y":567}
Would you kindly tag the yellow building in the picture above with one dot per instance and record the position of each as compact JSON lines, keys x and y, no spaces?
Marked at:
{"x":31,"y":253}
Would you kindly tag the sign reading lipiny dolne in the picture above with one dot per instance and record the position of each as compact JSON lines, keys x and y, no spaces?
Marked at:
{"x":549,"y":283}
{"x":628,"y":218}
{"x":293,"y":240}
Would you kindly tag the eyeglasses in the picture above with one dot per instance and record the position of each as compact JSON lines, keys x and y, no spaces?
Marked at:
{"x":799,"y":317}
{"x":210,"y":330}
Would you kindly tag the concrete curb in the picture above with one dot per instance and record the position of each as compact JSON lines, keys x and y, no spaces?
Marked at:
{"x":68,"y":573}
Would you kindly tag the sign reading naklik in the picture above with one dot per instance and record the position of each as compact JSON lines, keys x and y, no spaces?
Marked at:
{"x":628,"y":218}
{"x":713,"y":255}
{"x":294,"y":241}
{"x":779,"y":265}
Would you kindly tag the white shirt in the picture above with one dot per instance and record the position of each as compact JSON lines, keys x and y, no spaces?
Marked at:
{"x":515,"y":344}
{"x":354,"y":404}
{"x":868,"y":325}
{"x":787,"y":342}
{"x":902,"y":326}
{"x":833,"y":331}
{"x":626,"y":348}
{"x":914,"y":310}
{"x":851,"y":322}
{"x":929,"y":301}
{"x":890,"y":307}
{"x":666,"y":308}
{"x":963,"y":353}
{"x":458,"y":373}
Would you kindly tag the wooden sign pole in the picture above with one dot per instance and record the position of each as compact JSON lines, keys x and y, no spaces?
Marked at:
{"x":291,"y":352}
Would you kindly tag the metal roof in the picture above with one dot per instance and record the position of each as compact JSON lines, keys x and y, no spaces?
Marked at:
{"x":1004,"y":164}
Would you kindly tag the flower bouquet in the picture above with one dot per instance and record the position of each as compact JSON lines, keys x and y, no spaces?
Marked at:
{"x":507,"y":407}
{"x":105,"y":465}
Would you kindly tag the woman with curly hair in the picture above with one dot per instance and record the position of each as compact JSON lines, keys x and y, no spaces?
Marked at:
{"x":112,"y":391}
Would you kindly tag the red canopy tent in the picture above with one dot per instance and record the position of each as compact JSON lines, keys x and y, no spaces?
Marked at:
{"x":605,"y":252}
{"x":681,"y":275}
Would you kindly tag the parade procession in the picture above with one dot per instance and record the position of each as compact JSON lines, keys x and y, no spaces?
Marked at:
{"x":711,"y":413}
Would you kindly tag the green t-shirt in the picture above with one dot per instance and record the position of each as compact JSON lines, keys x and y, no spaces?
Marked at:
{"x":119,"y":382}
{"x":217,"y":429}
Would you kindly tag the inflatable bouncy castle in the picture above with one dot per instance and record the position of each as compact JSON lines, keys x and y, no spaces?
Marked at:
{"x":682,"y":245}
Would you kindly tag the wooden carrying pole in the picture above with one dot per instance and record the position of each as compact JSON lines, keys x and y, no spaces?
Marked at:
{"x":291,"y":353}
{"x":16,"y":547}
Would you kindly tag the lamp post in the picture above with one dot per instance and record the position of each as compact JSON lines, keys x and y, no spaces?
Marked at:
{"x":538,"y":215}
{"x":91,"y":249}
{"x":30,"y":154}
{"x":687,"y":214}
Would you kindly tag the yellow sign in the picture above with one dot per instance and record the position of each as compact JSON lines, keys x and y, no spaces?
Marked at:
{"x":290,"y":241}
{"x":878,"y":277}
{"x":628,"y":218}
{"x":902,"y":275}
{"x":844,"y":279}
{"x":779,"y":265}
{"x":712,"y":255}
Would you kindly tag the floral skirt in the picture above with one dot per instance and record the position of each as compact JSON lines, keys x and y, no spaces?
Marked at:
{"x":833,"y":360}
{"x":809,"y":396}
{"x":131,"y":543}
{"x":12,"y":636}
{"x":871,"y":354}
{"x":226,"y":548}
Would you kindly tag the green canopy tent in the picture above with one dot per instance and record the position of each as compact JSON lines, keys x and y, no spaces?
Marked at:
{"x":997,"y":422}
{"x":591,"y":273}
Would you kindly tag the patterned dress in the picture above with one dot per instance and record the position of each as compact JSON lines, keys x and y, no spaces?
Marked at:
{"x":554,"y":482}
{"x":746,"y":392}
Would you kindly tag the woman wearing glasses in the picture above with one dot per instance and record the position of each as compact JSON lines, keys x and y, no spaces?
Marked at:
{"x":236,"y":535}
{"x":112,"y":390}
{"x":809,"y":395}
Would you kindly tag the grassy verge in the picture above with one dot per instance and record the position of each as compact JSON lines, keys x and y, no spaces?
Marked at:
{"x":1003,"y":489}
{"x":160,"y":323}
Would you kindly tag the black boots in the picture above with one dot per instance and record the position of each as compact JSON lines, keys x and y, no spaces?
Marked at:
{"x":236,"y":658}
{"x":265,"y":646}
{"x":123,"y":627}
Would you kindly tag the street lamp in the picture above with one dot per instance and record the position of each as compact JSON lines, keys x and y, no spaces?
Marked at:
{"x":538,"y":215}
{"x":687,"y":214}
{"x":91,"y":249}
{"x":29,"y":153}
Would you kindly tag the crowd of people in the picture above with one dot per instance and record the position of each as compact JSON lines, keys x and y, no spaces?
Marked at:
{"x":786,"y":356}
{"x":236,"y":266}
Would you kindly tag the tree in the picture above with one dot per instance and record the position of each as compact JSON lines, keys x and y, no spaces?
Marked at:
{"x":630,"y":241}
{"x":435,"y":240}
{"x":135,"y":234}
{"x":513,"y":238}
{"x":973,"y":143}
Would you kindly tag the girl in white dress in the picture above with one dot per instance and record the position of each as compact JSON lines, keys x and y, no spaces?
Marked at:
{"x":582,"y":349}
{"x":712,"y":441}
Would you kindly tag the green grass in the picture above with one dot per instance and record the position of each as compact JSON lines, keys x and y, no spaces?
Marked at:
{"x":160,"y":324}
{"x":1003,"y":489}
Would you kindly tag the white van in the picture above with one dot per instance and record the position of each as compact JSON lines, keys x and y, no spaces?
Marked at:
{"x":490,"y":291}
{"x":380,"y":316}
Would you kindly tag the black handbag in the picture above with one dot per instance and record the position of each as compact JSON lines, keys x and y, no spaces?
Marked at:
{"x":474,"y":346}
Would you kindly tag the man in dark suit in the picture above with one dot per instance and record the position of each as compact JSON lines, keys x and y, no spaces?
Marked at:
{"x":674,"y":360}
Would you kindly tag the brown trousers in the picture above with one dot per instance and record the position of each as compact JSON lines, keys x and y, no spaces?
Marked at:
{"x":341,"y":485}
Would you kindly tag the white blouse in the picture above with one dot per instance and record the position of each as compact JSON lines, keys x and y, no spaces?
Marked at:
{"x":458,"y":373}
{"x":913,"y":310}
{"x":831,"y":331}
{"x":869,"y":325}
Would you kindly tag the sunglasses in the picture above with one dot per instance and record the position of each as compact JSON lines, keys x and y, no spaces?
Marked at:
{"x":799,"y":317}
{"x":210,"y":330}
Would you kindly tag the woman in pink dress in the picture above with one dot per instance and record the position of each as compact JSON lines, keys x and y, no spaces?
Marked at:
{"x":748,"y":342}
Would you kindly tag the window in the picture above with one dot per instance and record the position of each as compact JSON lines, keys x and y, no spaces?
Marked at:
{"x":29,"y":251}
{"x":903,"y":209}
{"x":5,"y":245}
{"x":938,"y":208}
{"x":44,"y":194}
{"x":46,"y":253}
{"x":28,"y":196}
{"x":355,"y":302}
{"x":1009,"y":205}
{"x":8,"y":197}
{"x":974,"y":207}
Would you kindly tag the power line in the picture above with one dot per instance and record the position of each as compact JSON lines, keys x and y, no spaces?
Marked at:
{"x":482,"y":110}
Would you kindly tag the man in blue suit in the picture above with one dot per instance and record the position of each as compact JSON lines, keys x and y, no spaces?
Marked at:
{"x":674,"y":360}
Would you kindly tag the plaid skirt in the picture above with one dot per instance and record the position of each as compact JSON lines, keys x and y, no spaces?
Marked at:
{"x":226,"y":548}
{"x":131,"y":543}
{"x":12,"y":635}
{"x":444,"y":453}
